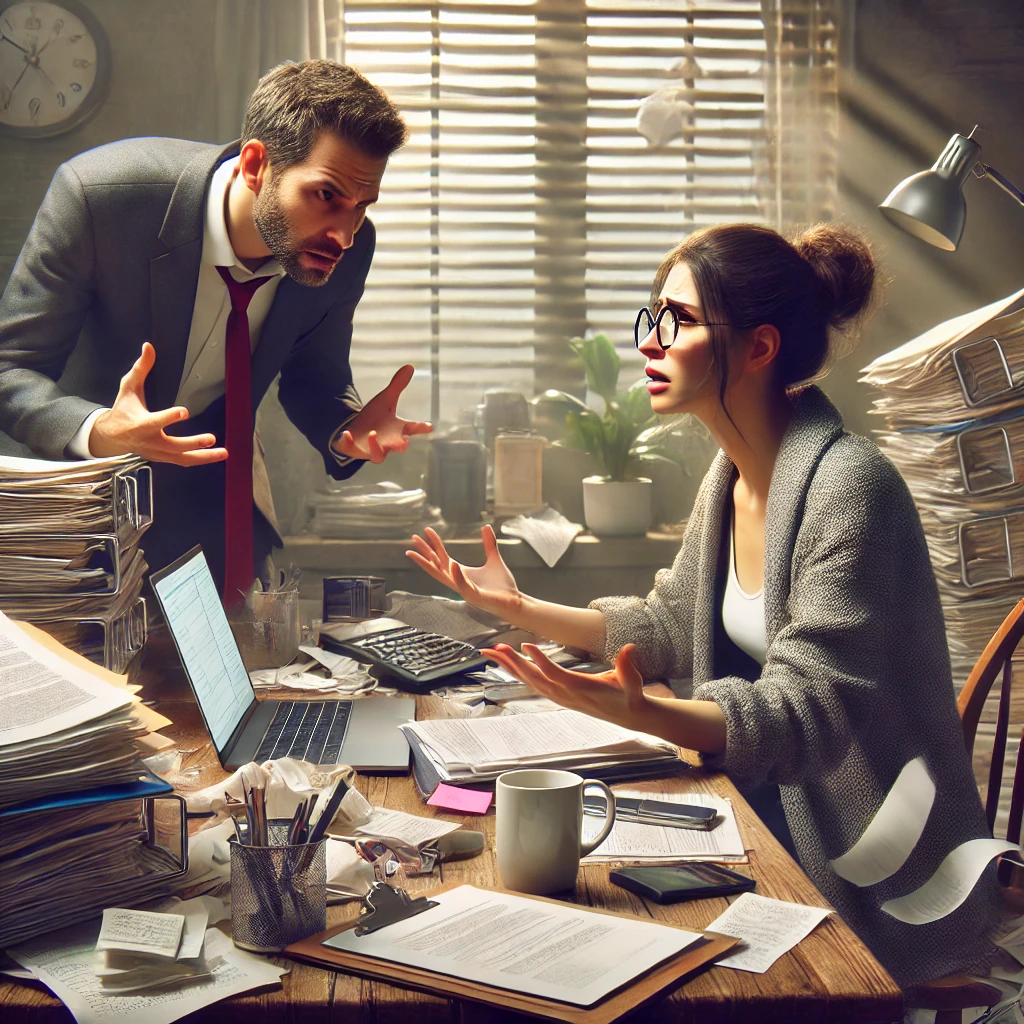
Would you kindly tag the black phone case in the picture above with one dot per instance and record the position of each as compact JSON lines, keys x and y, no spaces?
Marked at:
{"x":643,"y":882}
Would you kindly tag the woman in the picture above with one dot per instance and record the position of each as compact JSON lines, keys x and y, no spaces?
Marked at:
{"x":802,"y":601}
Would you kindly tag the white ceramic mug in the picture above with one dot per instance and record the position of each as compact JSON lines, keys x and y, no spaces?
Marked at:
{"x":539,"y":823}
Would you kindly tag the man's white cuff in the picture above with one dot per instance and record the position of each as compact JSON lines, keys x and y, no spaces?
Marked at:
{"x":78,"y":446}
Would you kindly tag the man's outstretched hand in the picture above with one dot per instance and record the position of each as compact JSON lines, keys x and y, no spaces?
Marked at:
{"x":378,"y":431}
{"x":128,"y":427}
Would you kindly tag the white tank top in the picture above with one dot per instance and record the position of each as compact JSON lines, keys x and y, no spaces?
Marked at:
{"x":743,"y":613}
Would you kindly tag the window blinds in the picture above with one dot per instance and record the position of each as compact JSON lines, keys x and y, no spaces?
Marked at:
{"x":527,"y":209}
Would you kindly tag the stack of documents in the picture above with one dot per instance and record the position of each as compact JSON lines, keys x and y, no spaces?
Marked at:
{"x":74,"y":965}
{"x":953,"y":405}
{"x":70,"y":557}
{"x":379,"y":510}
{"x":471,"y":750}
{"x":73,"y":832}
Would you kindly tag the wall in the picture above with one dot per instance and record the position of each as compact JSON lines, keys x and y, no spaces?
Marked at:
{"x":916,"y":72}
{"x":161,"y":85}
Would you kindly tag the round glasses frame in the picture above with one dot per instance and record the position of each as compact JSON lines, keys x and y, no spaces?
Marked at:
{"x":666,"y":324}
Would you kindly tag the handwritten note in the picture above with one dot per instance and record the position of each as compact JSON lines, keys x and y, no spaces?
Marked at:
{"x":140,"y":931}
{"x":767,"y":927}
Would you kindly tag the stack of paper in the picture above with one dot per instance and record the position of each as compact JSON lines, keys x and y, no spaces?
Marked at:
{"x":953,"y":405}
{"x":70,"y":555}
{"x":470,"y":750}
{"x":205,"y":969}
{"x":68,"y":728}
{"x":370,"y":510}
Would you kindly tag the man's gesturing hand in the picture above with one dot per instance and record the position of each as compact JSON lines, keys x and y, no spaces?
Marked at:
{"x":128,"y":427}
{"x":377,"y":430}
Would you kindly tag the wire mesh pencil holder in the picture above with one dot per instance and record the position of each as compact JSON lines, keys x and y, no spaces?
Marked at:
{"x":278,"y":892}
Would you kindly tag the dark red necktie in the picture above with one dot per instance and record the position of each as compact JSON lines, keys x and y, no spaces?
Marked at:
{"x":238,"y":430}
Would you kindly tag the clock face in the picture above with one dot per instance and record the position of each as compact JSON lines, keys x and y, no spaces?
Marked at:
{"x":54,"y":66}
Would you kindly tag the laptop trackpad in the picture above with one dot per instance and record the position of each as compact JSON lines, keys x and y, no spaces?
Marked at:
{"x":374,"y":742}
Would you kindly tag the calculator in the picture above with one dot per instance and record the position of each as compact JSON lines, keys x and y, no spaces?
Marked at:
{"x":409,"y":658}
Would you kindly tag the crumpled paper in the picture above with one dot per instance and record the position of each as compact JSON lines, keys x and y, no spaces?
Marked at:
{"x":548,"y":532}
{"x":287,"y":782}
{"x":662,"y":116}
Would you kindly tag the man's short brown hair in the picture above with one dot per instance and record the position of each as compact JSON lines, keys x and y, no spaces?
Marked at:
{"x":294,"y":102}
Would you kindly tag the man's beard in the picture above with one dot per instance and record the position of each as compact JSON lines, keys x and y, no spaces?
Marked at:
{"x":273,"y":226}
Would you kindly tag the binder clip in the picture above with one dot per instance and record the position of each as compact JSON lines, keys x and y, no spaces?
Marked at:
{"x":384,"y":905}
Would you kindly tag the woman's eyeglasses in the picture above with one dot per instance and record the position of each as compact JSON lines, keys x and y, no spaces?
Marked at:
{"x":666,"y":325}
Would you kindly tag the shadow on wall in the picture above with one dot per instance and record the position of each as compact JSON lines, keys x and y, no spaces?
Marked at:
{"x":920,"y":72}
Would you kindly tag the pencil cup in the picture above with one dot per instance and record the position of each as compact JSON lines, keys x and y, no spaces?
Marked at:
{"x":278,"y":892}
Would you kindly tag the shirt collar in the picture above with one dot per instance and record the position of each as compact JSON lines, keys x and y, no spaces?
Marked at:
{"x":217,"y":248}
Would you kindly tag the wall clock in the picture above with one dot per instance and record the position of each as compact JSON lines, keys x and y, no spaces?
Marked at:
{"x":54,"y":66}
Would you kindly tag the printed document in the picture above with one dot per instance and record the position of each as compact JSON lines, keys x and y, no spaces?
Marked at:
{"x":480,"y":743}
{"x":552,"y":950}
{"x":630,"y":840}
{"x":42,"y":693}
{"x":767,"y":927}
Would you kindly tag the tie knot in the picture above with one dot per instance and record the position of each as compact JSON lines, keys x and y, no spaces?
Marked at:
{"x":240,"y":292}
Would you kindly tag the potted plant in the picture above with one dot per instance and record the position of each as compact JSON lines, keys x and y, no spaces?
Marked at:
{"x":617,"y":502}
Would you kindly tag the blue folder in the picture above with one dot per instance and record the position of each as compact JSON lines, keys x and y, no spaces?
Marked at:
{"x":147,"y":785}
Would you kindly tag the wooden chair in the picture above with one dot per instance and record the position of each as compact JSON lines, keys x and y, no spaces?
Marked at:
{"x":948,"y":996}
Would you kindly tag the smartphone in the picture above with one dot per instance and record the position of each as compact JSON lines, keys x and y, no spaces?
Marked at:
{"x":672,"y":883}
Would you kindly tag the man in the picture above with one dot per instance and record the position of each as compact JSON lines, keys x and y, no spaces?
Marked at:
{"x":156,"y":267}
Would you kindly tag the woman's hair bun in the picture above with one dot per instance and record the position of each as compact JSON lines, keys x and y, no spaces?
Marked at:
{"x":843,"y":263}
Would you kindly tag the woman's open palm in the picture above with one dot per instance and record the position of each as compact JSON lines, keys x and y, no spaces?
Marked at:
{"x":489,"y":586}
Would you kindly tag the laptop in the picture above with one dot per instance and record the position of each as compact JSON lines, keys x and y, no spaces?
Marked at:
{"x":363,"y":733}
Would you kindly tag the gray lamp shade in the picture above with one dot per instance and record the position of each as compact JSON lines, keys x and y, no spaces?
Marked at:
{"x":930,"y":204}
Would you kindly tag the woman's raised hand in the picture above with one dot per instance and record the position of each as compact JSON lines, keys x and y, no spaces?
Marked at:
{"x":489,"y":586}
{"x":616,"y":696}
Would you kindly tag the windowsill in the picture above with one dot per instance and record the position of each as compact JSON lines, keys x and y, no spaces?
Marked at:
{"x":592,"y":567}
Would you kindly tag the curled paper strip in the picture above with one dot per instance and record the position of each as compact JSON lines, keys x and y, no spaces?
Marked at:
{"x":892,"y":834}
{"x":951,"y":884}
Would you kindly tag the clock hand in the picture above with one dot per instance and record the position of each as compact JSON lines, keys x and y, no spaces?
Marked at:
{"x":39,"y":68}
{"x":10,"y":96}
{"x":13,"y":43}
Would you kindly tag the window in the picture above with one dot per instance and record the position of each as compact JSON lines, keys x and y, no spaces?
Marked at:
{"x":526,"y":207}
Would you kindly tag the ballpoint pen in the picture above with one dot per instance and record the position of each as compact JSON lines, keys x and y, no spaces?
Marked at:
{"x":655,"y":812}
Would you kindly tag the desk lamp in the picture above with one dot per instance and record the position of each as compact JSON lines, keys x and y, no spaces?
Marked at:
{"x":930,"y":204}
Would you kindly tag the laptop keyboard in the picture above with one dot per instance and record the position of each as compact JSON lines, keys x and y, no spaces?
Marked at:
{"x":306,"y":730}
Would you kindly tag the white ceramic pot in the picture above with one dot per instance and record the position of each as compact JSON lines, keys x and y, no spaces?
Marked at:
{"x":617,"y":508}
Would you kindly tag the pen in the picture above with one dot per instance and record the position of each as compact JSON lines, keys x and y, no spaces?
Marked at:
{"x":655,"y":812}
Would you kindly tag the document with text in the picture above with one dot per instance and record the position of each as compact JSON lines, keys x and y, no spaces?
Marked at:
{"x":553,"y":950}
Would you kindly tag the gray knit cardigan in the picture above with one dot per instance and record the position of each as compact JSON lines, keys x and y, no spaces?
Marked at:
{"x":856,"y":682}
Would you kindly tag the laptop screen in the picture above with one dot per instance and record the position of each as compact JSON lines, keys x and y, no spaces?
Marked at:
{"x":196,"y":619}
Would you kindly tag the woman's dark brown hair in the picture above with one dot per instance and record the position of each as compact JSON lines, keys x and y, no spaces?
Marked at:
{"x":748,"y":275}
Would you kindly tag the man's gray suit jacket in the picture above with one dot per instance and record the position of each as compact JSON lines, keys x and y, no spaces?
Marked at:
{"x":112,"y":260}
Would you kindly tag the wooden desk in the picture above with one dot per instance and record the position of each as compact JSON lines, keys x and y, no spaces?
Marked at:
{"x":829,"y":976}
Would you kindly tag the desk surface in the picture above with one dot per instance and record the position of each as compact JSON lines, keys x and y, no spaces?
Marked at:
{"x":829,"y":976}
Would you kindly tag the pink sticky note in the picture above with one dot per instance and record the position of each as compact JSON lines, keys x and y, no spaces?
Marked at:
{"x":462,"y":801}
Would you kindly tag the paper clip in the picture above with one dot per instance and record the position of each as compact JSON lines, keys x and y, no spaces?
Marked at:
{"x":384,"y":905}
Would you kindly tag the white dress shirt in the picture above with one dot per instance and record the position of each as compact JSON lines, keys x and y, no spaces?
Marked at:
{"x":202,"y":379}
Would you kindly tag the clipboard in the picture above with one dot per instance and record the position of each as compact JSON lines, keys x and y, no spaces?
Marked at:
{"x":648,"y":987}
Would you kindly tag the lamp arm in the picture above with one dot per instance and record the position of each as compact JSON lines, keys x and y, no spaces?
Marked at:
{"x":984,"y":171}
